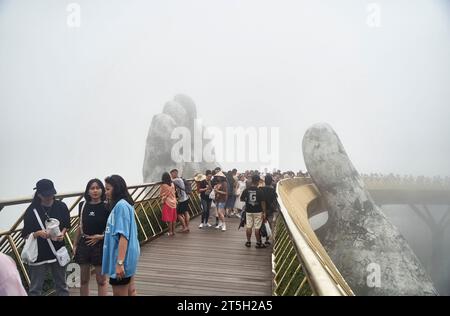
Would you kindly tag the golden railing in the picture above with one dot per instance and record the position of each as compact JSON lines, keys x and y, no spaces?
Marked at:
{"x":301,"y":266}
{"x":147,"y":207}
{"x":289,"y":275}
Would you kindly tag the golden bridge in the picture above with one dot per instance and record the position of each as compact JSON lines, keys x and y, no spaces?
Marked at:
{"x":210,"y":262}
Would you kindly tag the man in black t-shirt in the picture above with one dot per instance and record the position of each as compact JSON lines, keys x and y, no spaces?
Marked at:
{"x":270,"y":197}
{"x":255,"y":209}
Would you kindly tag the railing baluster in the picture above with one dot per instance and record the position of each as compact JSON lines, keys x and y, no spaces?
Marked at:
{"x":299,"y":266}
{"x":154,"y":215}
{"x":19,"y":260}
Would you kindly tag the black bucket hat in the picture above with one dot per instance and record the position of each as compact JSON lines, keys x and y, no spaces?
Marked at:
{"x":45,"y":187}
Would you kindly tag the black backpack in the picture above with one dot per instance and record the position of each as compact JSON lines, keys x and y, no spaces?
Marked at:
{"x":187,"y":186}
{"x":263,"y":230}
{"x":243,"y":220}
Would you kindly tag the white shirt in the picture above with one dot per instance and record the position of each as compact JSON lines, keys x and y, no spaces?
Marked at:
{"x":240,"y":188}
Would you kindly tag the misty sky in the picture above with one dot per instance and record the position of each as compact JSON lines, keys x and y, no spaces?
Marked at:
{"x":77,"y":103}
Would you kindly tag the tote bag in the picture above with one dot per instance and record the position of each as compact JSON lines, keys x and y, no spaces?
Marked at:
{"x":30,"y":250}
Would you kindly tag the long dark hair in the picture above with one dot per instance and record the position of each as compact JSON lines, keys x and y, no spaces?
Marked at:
{"x":87,"y":197}
{"x":37,"y":201}
{"x":268,"y":179}
{"x":120,"y":190}
{"x":166,"y":179}
{"x":230,"y":179}
{"x":35,"y":204}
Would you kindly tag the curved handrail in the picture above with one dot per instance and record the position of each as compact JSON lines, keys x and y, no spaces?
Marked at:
{"x":28,"y":199}
{"x":295,"y":196}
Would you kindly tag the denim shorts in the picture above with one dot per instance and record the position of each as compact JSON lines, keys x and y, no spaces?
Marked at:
{"x":220,"y":204}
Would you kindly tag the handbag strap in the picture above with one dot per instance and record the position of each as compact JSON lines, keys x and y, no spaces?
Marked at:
{"x":81,"y":218}
{"x":42,"y":226}
{"x":179,"y":187}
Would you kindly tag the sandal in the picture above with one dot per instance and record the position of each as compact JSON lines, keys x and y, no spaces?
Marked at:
{"x":260,"y":245}
{"x":248,"y":244}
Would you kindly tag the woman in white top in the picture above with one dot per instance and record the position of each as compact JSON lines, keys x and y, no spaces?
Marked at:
{"x":239,"y":205}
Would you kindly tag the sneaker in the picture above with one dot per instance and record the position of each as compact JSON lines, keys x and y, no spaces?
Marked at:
{"x":200,"y":226}
{"x":208,"y":225}
{"x":224,"y":228}
{"x":219,"y":226}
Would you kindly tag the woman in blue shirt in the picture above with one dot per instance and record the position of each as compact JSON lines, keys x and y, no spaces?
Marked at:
{"x":121,"y":248}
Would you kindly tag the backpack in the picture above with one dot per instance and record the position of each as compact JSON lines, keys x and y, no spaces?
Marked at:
{"x":243,"y":220}
{"x":187,"y":186}
{"x":263,"y":230}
